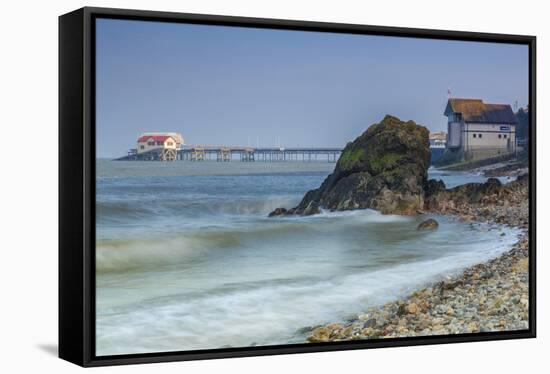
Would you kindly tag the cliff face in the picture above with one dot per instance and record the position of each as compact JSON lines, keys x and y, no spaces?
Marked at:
{"x":385,"y":169}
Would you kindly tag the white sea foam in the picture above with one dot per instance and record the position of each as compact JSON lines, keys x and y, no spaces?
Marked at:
{"x":363,"y":215}
{"x":270,"y":312}
{"x":151,"y":253}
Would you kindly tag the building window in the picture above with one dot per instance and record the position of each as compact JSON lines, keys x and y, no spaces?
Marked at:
{"x":480,"y":135}
{"x":159,"y":143}
{"x":169,"y":144}
{"x":141,"y":147}
{"x":499,"y":136}
{"x":505,"y":136}
{"x":475,"y":135}
{"x":151,"y":143}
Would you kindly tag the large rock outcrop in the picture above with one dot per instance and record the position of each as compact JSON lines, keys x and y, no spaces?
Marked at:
{"x":384,"y":169}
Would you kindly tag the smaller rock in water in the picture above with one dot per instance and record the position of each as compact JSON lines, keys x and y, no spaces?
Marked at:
{"x":278,"y":212}
{"x":429,"y":224}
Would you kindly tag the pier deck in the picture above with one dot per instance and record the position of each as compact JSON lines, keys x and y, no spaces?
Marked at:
{"x":243,"y":154}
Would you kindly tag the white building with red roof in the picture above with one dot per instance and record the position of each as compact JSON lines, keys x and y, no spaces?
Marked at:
{"x":159,"y":140}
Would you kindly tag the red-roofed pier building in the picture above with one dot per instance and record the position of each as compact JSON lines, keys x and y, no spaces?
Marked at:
{"x":166,"y":145}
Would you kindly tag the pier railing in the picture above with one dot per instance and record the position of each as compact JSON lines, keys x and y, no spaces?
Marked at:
{"x":255,"y":154}
{"x":242,"y":154}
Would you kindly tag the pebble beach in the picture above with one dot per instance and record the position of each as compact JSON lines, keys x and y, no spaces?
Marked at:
{"x":492,"y":296}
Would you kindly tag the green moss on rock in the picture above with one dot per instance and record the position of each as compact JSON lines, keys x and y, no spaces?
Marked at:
{"x":384,"y":168}
{"x":351,"y":157}
{"x":385,"y":162}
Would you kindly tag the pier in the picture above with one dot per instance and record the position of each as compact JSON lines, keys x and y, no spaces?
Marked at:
{"x":198,"y":153}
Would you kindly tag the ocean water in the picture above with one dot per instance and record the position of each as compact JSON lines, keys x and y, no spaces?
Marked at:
{"x":187,"y":259}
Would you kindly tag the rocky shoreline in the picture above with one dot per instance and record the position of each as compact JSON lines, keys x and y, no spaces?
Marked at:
{"x":493,"y":296}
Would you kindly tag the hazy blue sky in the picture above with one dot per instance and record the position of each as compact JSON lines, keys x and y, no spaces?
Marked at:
{"x":227,"y":85}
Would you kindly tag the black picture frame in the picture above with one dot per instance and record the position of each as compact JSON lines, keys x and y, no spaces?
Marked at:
{"x":77,"y":184}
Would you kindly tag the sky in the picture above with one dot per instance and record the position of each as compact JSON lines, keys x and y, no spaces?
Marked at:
{"x":222,"y":85}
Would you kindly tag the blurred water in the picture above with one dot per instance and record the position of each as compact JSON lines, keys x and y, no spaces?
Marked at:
{"x":187,"y":259}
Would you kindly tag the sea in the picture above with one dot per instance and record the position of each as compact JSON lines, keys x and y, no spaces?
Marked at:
{"x":187,"y":258}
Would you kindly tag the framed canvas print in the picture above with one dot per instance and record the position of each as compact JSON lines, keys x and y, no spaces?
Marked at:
{"x":236,"y":186}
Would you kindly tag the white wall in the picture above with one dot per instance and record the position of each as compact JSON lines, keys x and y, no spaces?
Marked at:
{"x":169,"y":143}
{"x":454,"y":130}
{"x":489,"y":136}
{"x":28,"y":205}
